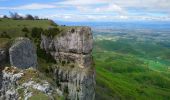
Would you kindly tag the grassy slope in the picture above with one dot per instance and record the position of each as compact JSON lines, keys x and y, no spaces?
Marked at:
{"x":123,"y":72}
{"x":14,"y":27}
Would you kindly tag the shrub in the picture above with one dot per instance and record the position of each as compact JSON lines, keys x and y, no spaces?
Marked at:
{"x":26,"y":35}
{"x":36,"y":32}
{"x":4,"y":35}
{"x":25,"y":30}
{"x":51,"y":32}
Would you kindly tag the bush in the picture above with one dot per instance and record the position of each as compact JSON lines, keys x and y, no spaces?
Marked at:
{"x":29,"y":17}
{"x":25,"y":30}
{"x":51,"y":32}
{"x":26,"y":35}
{"x":46,"y":56}
{"x":36,"y":32}
{"x":4,"y":35}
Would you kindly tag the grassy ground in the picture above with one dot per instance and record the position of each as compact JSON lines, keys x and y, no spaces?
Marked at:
{"x":14,"y":27}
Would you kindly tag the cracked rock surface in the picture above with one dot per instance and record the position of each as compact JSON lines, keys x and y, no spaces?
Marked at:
{"x":22,"y":53}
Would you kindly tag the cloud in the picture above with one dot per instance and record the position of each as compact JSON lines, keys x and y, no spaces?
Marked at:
{"x":100,"y":10}
{"x":147,"y":5}
{"x":1,"y":16}
{"x":105,"y":18}
{"x":32,"y":6}
{"x":92,"y":6}
{"x":111,"y":8}
{"x":82,"y":2}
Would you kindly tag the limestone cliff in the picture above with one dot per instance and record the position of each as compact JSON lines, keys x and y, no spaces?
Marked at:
{"x":73,"y":73}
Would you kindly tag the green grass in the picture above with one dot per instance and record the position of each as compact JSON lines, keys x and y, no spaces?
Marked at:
{"x":14,"y":27}
{"x":37,"y":95}
{"x":125,"y":71}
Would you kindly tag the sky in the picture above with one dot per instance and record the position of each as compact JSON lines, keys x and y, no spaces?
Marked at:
{"x":90,"y":10}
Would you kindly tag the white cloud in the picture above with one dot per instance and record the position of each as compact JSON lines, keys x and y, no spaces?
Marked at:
{"x":1,"y":16}
{"x":147,"y":5}
{"x":31,"y":7}
{"x":83,"y":2}
{"x":102,"y":10}
{"x":89,"y":17}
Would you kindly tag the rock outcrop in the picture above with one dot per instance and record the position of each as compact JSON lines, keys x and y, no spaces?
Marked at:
{"x":74,"y":73}
{"x":22,"y":53}
{"x":17,"y":86}
{"x":3,"y":59}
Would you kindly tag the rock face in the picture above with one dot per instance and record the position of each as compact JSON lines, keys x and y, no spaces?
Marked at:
{"x":74,"y":73}
{"x":22,"y":53}
{"x":76,"y":40}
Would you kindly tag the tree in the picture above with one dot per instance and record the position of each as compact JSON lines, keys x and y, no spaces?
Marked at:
{"x":5,"y":16}
{"x":36,"y":17}
{"x":15,"y":15}
{"x":29,"y":17}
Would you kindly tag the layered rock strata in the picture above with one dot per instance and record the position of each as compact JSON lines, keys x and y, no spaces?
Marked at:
{"x":74,"y":73}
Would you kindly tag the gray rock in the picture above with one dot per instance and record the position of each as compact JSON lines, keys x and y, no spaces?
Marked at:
{"x":11,"y":84}
{"x":3,"y":58}
{"x":74,"y":73}
{"x":22,"y":53}
{"x":76,"y":40}
{"x":9,"y":81}
{"x":75,"y":45}
{"x":79,"y":84}
{"x":11,"y":95}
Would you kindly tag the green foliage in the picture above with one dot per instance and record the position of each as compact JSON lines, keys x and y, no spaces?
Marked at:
{"x":46,"y":56}
{"x":37,"y":95}
{"x":25,"y":29}
{"x":128,"y":70}
{"x":36,"y":32}
{"x":4,"y":35}
{"x":51,"y":32}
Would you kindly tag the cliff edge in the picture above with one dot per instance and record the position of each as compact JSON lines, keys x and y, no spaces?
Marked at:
{"x":74,"y":73}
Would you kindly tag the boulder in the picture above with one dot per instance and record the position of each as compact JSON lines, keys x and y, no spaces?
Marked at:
{"x":22,"y":53}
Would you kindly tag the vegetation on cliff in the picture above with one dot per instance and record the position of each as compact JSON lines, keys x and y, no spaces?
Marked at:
{"x":125,"y":69}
